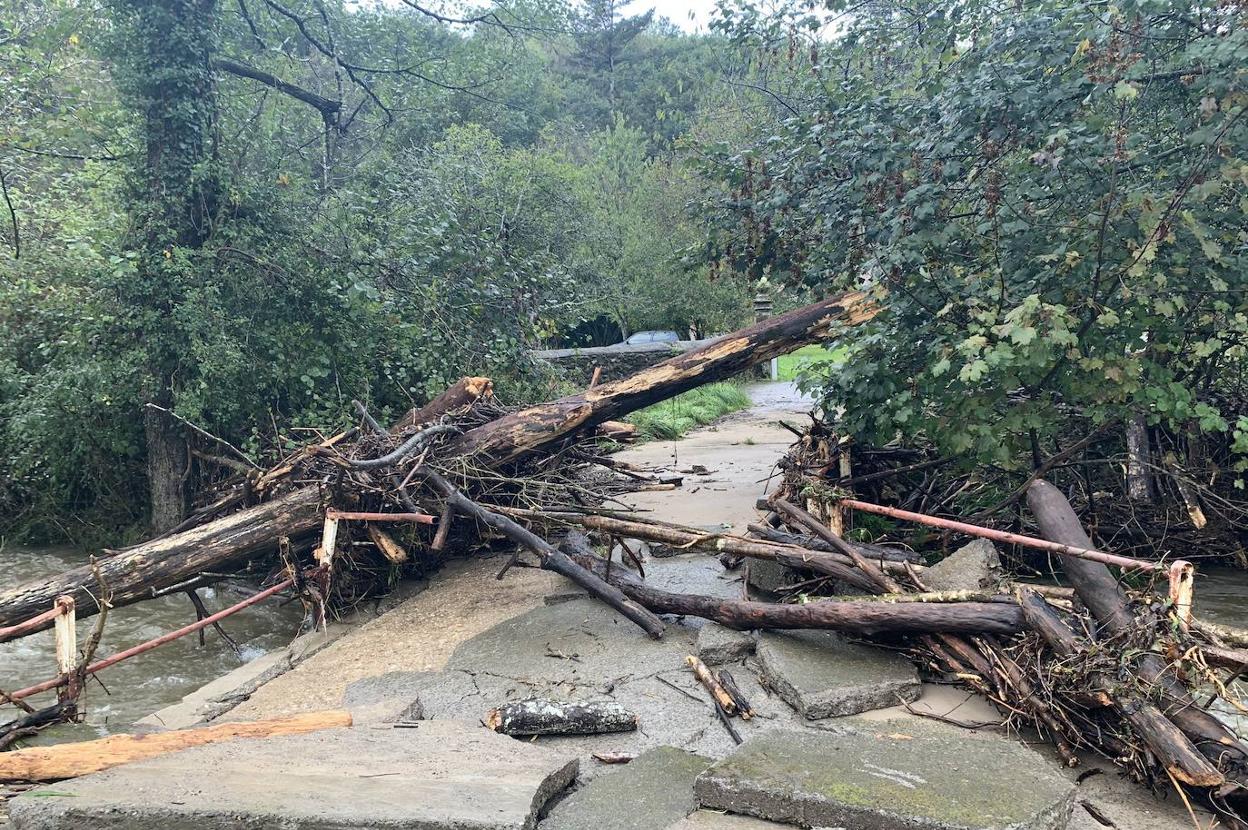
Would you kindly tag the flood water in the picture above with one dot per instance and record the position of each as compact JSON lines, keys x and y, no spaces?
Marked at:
{"x":162,"y":676}
{"x":149,"y":681}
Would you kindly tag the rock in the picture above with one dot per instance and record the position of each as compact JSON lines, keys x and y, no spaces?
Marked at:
{"x":387,"y":698}
{"x":718,"y":644}
{"x":767,"y":576}
{"x":924,"y":777}
{"x":442,"y":775}
{"x":640,"y":549}
{"x":822,"y":675}
{"x":973,"y":567}
{"x":653,"y":791}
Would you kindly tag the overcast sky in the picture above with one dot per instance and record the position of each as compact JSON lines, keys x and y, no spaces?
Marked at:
{"x":690,"y":15}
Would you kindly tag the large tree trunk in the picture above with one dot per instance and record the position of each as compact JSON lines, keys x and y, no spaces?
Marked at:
{"x":136,"y":573}
{"x":1099,"y":592}
{"x":537,"y":427}
{"x":167,"y":458}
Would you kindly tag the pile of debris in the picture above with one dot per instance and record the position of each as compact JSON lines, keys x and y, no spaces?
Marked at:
{"x":1091,"y":667}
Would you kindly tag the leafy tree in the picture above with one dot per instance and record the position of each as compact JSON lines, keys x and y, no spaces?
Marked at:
{"x":604,"y":37}
{"x":1047,"y":199}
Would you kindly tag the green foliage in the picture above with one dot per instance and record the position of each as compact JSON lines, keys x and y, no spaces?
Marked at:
{"x":673,"y":418}
{"x":211,"y":239}
{"x":1048,"y":199}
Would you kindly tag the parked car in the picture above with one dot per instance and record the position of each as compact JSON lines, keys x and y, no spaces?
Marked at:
{"x":652,"y":337}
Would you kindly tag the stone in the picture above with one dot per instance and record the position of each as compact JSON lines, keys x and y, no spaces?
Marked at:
{"x":973,"y":567}
{"x":442,"y":775}
{"x":767,"y":576}
{"x":654,"y":790}
{"x":718,"y":644}
{"x":823,"y":675}
{"x":392,"y":697}
{"x":920,"y":777}
{"x":712,"y":820}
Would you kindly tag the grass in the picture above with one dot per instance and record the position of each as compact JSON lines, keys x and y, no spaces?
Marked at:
{"x":791,"y":365}
{"x":671,"y":419}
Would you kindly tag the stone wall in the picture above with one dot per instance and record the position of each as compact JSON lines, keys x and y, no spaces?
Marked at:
{"x":577,"y":365}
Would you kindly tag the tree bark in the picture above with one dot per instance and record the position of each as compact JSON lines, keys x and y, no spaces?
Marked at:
{"x":166,"y":470}
{"x":1099,"y":592}
{"x":55,"y":763}
{"x":551,"y":717}
{"x":135,"y":574}
{"x":867,"y":618}
{"x":541,"y":426}
{"x":461,"y":393}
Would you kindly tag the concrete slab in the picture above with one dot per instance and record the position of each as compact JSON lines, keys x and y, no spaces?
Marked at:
{"x":714,"y":820}
{"x":440,"y":776}
{"x":572,"y":644}
{"x":972,"y":567}
{"x":926,"y":778}
{"x":653,"y":791}
{"x":823,"y":675}
{"x":766,"y":577}
{"x":392,"y":697}
{"x":694,"y":573}
{"x":718,"y":644}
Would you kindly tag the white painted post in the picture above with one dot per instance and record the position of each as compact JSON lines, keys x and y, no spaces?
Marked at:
{"x":66,"y":628}
{"x":329,"y":540}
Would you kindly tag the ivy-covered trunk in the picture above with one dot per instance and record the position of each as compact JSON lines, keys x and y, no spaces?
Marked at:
{"x":165,"y":72}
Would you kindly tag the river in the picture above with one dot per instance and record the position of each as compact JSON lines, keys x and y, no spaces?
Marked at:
{"x":142,"y":684}
{"x":162,"y":676}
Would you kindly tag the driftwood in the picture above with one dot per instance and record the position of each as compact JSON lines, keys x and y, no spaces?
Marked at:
{"x":148,"y":568}
{"x":865,"y":618}
{"x":707,"y":678}
{"x":744,"y":709}
{"x":541,"y":426}
{"x":1100,"y":593}
{"x":539,"y":716}
{"x":60,"y":761}
{"x":137,"y":573}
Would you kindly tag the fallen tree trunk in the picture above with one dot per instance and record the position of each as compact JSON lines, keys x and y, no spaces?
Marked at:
{"x":136,"y":573}
{"x":54,"y":763}
{"x":1099,"y":592}
{"x":537,"y":427}
{"x":539,"y":716}
{"x":866,"y":618}
{"x":140,"y":571}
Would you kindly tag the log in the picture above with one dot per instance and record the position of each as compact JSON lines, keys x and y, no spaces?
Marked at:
{"x":136,"y":573}
{"x":392,"y":550}
{"x":882,"y":553}
{"x":744,"y":709}
{"x":552,"y":559}
{"x":461,"y":393}
{"x":539,"y":716}
{"x":865,"y":618}
{"x":708,"y":679}
{"x":877,"y":577}
{"x":1166,"y":741}
{"x":147,"y":568}
{"x":537,"y":427}
{"x":1100,"y":594}
{"x":54,"y":763}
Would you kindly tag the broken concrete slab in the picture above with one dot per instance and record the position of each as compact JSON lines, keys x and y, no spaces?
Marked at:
{"x":694,"y":573}
{"x":973,"y":567}
{"x":928,"y":777}
{"x":714,"y":820}
{"x":574,"y":643}
{"x":392,"y":697}
{"x":823,"y":675}
{"x":767,"y":577}
{"x":442,"y":775}
{"x":718,"y":644}
{"x":652,"y":791}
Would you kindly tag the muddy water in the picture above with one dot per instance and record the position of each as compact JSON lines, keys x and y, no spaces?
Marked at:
{"x":150,"y":681}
